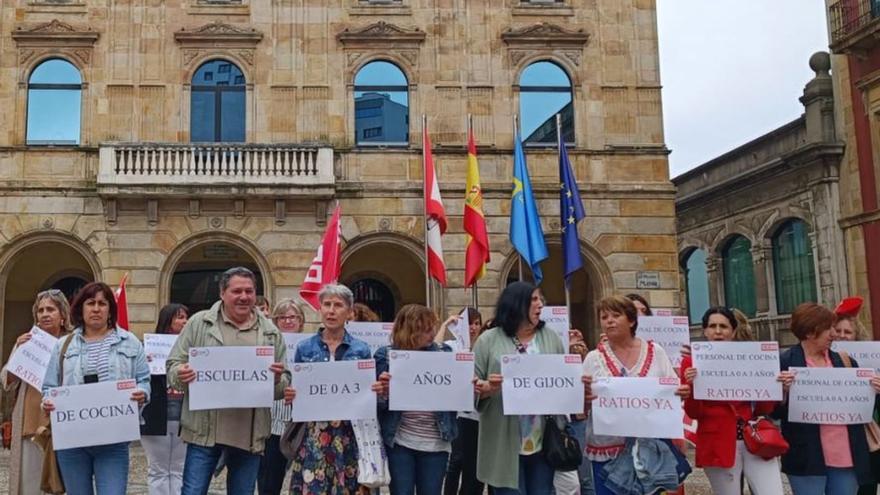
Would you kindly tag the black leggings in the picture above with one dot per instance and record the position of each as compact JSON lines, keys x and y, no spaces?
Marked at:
{"x":463,"y":461}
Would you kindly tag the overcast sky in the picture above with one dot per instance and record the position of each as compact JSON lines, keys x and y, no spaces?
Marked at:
{"x":732,"y":70}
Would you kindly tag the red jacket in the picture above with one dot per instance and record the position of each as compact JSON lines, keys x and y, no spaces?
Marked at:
{"x":716,"y":424}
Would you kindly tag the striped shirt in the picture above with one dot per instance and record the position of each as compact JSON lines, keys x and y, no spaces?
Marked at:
{"x":419,"y":431}
{"x":98,"y":362}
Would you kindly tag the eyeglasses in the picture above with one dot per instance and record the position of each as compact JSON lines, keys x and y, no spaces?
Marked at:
{"x":289,"y":318}
{"x":50,"y":292}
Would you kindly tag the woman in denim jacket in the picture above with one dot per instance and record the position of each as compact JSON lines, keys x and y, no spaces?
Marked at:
{"x":97,"y":351}
{"x":418,"y":442}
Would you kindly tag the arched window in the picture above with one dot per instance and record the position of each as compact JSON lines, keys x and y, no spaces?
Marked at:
{"x":544,"y":91}
{"x":793,"y":266}
{"x":217,"y":109}
{"x":54,"y":103}
{"x":739,"y":276}
{"x":697,"y":284}
{"x":381,"y":105}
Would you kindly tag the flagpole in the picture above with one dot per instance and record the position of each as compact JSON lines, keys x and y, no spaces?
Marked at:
{"x":425,"y":212}
{"x":515,"y":132}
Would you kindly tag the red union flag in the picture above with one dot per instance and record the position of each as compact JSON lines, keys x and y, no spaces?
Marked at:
{"x":435,"y":215}
{"x":326,"y":265}
{"x":121,"y":305}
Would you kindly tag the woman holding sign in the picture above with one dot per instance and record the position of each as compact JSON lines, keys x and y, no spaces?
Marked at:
{"x":52,"y":315}
{"x":164,"y":448}
{"x":418,"y":442}
{"x":509,"y":456}
{"x":96,"y":351}
{"x":621,"y":354}
{"x":720,"y":448}
{"x":823,"y":458}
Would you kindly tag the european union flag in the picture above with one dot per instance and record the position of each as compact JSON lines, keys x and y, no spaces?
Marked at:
{"x":526,"y":233}
{"x":571,"y":211}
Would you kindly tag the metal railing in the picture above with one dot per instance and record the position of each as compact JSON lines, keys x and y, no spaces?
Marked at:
{"x":850,"y":16}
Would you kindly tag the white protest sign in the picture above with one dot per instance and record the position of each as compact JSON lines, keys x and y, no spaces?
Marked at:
{"x":740,"y":371}
{"x":556,"y":319}
{"x":231,"y":377}
{"x":670,"y":332}
{"x":334,"y":390}
{"x":375,"y":333}
{"x":30,"y":360}
{"x":431,"y":381}
{"x":831,"y":396}
{"x":637,"y":407}
{"x":291,"y":340}
{"x":542,"y":384}
{"x":157,"y":346}
{"x":866,"y":353}
{"x":94,"y":414}
{"x":461,"y":330}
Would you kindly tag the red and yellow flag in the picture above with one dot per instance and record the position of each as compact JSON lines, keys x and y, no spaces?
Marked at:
{"x":477,"y":244}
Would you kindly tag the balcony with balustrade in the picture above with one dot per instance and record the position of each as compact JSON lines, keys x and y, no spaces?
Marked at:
{"x":214,"y":169}
{"x":855,"y":25}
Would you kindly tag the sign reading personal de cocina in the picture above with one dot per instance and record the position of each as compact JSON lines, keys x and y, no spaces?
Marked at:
{"x":831,"y":396}
{"x":866,"y":353}
{"x":431,"y":381}
{"x":231,"y":377}
{"x":671,"y":332}
{"x":94,"y":414}
{"x":291,"y":340}
{"x":334,"y":391}
{"x":542,"y":384}
{"x":740,"y":371}
{"x":637,"y":407}
{"x":157,"y":346}
{"x":556,"y":319}
{"x":30,"y":360}
{"x":375,"y":334}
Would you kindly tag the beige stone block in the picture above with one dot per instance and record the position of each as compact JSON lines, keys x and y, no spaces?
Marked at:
{"x":647,"y":208}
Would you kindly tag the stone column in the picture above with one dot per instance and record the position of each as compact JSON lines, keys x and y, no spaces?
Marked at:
{"x":716,"y":287}
{"x":764,"y":297}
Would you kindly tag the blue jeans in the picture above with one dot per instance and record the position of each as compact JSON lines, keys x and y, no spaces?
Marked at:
{"x":835,"y":482}
{"x":535,"y":477}
{"x":107,"y":465}
{"x":598,"y":483}
{"x":242,"y":468}
{"x":414,"y":471}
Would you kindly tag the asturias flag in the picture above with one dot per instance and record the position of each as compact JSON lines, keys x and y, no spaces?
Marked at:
{"x":326,"y":266}
{"x":571,"y":211}
{"x":477,"y":243}
{"x":526,"y":233}
{"x":435,"y":215}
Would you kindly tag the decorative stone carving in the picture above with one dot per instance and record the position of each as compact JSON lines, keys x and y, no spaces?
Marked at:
{"x":219,"y":32}
{"x":48,"y":222}
{"x":54,"y":32}
{"x":384,"y":224}
{"x":216,"y":222}
{"x":381,"y":33}
{"x":573,"y":56}
{"x":546,"y":34}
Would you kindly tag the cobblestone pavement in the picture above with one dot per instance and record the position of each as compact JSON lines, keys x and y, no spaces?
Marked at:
{"x":137,"y":480}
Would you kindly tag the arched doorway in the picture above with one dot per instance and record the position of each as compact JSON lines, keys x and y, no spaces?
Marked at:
{"x":385,"y":273}
{"x":196,"y":275}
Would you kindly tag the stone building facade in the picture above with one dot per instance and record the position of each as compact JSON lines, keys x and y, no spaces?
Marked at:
{"x":759,"y":227}
{"x":130,"y":191}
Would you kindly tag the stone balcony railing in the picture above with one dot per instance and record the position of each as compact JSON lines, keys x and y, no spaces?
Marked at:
{"x":207,"y":169}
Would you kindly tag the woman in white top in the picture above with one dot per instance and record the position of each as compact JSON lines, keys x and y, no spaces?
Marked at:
{"x":621,"y":354}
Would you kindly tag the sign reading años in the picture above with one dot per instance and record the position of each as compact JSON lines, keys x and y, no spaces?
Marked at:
{"x":637,"y":407}
{"x":556,"y":319}
{"x":231,"y":377}
{"x":542,"y":384}
{"x":334,"y":390}
{"x":831,"y":396}
{"x":431,"y":381}
{"x":670,"y":332}
{"x":94,"y":414}
{"x":30,"y":360}
{"x":157,"y":346}
{"x":740,"y":371}
{"x":375,"y":333}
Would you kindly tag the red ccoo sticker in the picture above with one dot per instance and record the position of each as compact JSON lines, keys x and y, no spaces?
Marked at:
{"x":666,"y":380}
{"x":865,"y":373}
{"x":560,"y":311}
{"x":680,"y":320}
{"x":464,"y":356}
{"x":366,"y":365}
{"x":572,"y":359}
{"x":770,"y":346}
{"x":125,"y":385}
{"x":265,"y":351}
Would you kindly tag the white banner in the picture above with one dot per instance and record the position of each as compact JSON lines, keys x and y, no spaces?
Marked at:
{"x":831,"y":396}
{"x":431,"y":381}
{"x":556,"y":319}
{"x":30,"y":360}
{"x":637,"y":407}
{"x":334,"y":391}
{"x":94,"y":414}
{"x":375,"y":333}
{"x":740,"y":371}
{"x":231,"y":377}
{"x":670,"y":332}
{"x":462,"y":333}
{"x":157,"y":346}
{"x":542,"y":384}
{"x":866,"y":353}
{"x":291,"y":340}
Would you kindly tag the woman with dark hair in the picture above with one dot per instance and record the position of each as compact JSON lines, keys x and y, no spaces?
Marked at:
{"x":641,"y":304}
{"x":720,"y":448}
{"x":509,"y":455}
{"x":159,"y":433}
{"x":96,"y":351}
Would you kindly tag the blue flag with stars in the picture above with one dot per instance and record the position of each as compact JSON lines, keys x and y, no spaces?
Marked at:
{"x":526,"y":233}
{"x":571,"y":211}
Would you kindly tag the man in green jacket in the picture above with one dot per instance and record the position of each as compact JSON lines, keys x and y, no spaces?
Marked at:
{"x":240,"y":433}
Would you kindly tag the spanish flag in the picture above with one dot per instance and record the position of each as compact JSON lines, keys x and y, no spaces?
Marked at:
{"x":477,"y":244}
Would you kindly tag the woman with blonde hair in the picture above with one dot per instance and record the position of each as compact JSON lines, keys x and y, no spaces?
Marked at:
{"x":51,"y":314}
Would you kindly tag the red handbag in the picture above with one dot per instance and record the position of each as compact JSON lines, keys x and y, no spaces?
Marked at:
{"x":762,"y":437}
